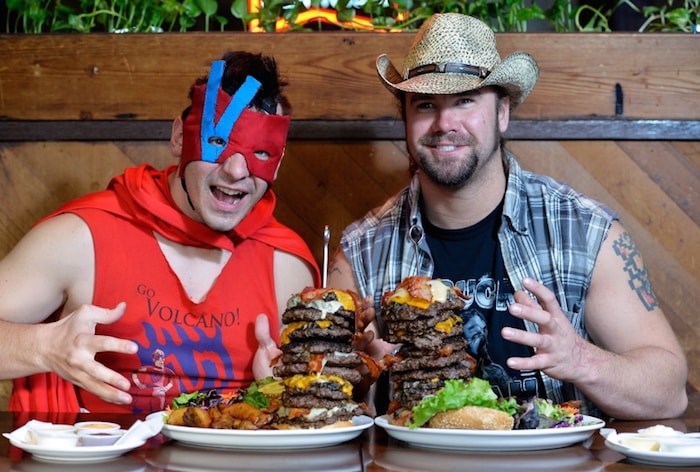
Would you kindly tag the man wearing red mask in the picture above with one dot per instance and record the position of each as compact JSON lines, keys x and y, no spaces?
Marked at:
{"x":188,"y":261}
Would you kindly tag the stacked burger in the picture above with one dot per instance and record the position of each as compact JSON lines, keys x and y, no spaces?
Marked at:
{"x":318,"y":364}
{"x":423,"y":316}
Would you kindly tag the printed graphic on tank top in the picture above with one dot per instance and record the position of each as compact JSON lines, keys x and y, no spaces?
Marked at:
{"x":184,"y":345}
{"x":471,"y":259}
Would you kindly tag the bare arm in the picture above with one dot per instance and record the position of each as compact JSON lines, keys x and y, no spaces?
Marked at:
{"x":47,"y":268}
{"x":340,"y":273}
{"x":636,"y":369}
{"x":340,"y":276}
{"x":292,"y":275}
{"x":52,"y":267}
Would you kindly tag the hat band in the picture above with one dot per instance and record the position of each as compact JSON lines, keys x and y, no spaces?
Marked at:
{"x":453,"y":67}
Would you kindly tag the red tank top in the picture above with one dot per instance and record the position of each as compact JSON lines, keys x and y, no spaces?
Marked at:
{"x":183,"y":346}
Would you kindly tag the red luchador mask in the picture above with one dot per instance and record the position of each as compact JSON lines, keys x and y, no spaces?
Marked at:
{"x":219,"y":125}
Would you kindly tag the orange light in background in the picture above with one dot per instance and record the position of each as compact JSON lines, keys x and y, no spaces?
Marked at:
{"x":402,"y":16}
{"x":324,"y":15}
{"x":254,"y":7}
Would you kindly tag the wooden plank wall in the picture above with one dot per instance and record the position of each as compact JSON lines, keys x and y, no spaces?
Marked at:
{"x":653,"y":184}
{"x":332,"y":75}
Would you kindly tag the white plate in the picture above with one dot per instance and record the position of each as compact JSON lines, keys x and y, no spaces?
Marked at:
{"x":405,"y":458}
{"x":178,"y":457}
{"x":654,"y":457}
{"x":267,"y":439}
{"x":487,"y":441}
{"x":75,"y":454}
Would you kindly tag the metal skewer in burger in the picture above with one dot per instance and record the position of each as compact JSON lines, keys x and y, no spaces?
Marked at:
{"x":318,"y":364}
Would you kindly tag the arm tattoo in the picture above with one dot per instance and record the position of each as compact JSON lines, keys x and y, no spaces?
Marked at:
{"x":333,"y":266}
{"x":633,"y":265}
{"x":334,"y":270}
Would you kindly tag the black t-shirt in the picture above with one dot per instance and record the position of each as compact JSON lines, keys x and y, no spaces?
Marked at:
{"x":471,"y":259}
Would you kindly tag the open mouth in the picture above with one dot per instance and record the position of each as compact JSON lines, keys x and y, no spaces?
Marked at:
{"x":227,"y":196}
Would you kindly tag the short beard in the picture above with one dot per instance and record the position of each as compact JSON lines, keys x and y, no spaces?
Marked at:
{"x":455,"y":178}
{"x":447,"y":176}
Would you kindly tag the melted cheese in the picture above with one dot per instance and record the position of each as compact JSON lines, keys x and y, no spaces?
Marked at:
{"x":325,"y":307}
{"x":286,"y":332}
{"x":447,"y":325}
{"x":323,"y":324}
{"x":303,"y":382}
{"x":402,"y":297}
{"x":438,"y":292}
{"x":316,"y":413}
{"x":285,"y":335}
{"x":344,"y":301}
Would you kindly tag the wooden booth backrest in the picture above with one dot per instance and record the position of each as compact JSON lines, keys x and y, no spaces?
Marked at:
{"x":614,"y":115}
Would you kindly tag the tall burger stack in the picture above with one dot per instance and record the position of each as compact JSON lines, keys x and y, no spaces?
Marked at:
{"x":423,"y":316}
{"x":318,"y":363}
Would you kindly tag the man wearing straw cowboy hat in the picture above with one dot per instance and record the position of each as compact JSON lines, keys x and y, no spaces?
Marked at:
{"x":568,"y":308}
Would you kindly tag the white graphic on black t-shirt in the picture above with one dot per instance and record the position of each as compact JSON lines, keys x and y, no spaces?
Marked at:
{"x":486,"y":308}
{"x":476,"y":332}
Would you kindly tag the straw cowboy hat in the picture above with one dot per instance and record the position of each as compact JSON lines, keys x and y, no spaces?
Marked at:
{"x":454,"y":53}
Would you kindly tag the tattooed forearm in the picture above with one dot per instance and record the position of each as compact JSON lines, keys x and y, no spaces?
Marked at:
{"x":637,"y":273}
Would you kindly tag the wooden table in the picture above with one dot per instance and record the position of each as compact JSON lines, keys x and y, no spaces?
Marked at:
{"x":373,"y":451}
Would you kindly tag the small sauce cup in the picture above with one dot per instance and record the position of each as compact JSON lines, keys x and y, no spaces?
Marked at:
{"x":97,"y":426}
{"x":89,"y":438}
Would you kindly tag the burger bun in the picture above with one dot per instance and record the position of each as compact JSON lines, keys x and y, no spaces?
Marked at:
{"x":472,"y":417}
{"x":339,"y":424}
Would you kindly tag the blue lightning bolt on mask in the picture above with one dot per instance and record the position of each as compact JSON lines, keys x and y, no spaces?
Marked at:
{"x":219,"y":126}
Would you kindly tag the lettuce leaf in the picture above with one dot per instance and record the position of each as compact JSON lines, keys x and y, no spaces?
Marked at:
{"x":558,"y":415}
{"x":197,"y":398}
{"x":456,"y":394}
{"x":259,"y":392}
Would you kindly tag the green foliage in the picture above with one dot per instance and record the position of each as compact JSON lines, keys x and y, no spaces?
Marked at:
{"x":131,"y":16}
{"x":501,"y":15}
{"x":561,"y":15}
{"x":111,"y":16}
{"x":673,"y":16}
{"x":669,"y":16}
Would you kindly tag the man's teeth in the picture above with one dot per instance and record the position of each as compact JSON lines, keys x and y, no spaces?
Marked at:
{"x":229,"y":192}
{"x":446,"y":148}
